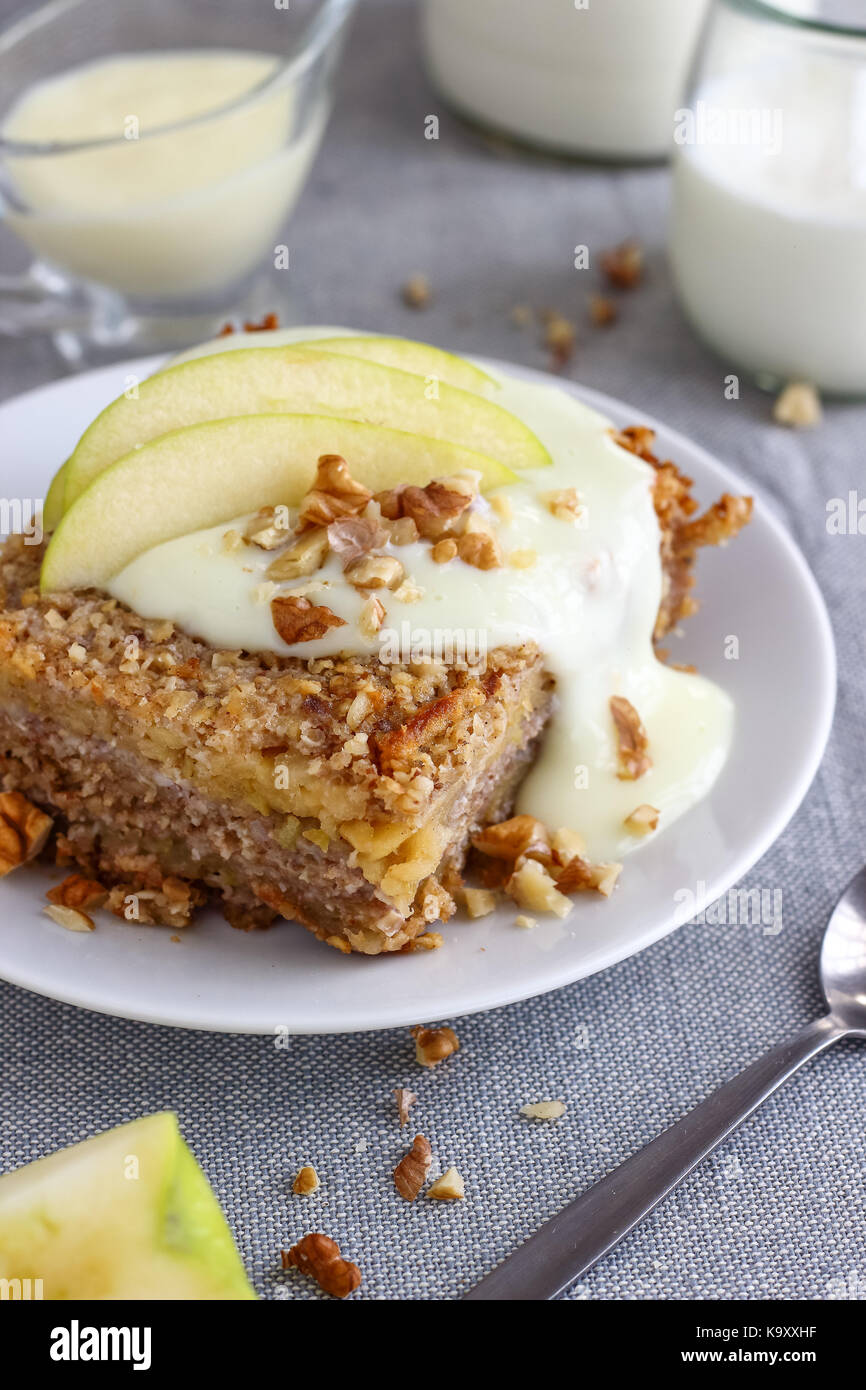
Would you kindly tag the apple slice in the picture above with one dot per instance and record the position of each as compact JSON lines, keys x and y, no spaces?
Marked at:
{"x":420,"y":358}
{"x":52,"y":507}
{"x":262,"y":381}
{"x":127,"y":1214}
{"x":205,"y":474}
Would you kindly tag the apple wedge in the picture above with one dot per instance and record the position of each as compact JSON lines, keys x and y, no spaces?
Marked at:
{"x":205,"y":474}
{"x":261,"y":381}
{"x":127,"y":1214}
{"x":420,"y":358}
{"x":52,"y":507}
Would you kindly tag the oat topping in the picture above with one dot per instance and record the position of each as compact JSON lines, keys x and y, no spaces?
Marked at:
{"x":411,"y":1172}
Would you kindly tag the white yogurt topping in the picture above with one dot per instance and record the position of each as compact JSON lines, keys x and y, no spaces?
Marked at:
{"x":590,"y":602}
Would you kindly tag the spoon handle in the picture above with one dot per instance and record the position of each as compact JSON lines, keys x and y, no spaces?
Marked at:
{"x":571,"y":1242}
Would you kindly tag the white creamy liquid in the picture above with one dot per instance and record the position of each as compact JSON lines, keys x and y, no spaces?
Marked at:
{"x":602,"y":79}
{"x":590,"y":602}
{"x":768,"y":243}
{"x":173,"y":213}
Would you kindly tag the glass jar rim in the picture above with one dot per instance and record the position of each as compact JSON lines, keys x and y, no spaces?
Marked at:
{"x":766,"y":9}
{"x":320,"y":32}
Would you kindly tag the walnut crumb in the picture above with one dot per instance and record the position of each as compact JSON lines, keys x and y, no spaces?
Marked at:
{"x":565,"y":504}
{"x":799,"y":406}
{"x":404,"y":1099}
{"x":532,"y":887}
{"x":24,"y":829}
{"x":306,"y":1181}
{"x":634,"y":760}
{"x":523,"y":559}
{"x":642,"y":820}
{"x":298,"y":620}
{"x":623,"y":264}
{"x":444,"y":550}
{"x":411,"y":1172}
{"x":375,"y":572}
{"x":433,"y":1045}
{"x":417,"y":292}
{"x":544,"y":1110}
{"x":479,"y":901}
{"x":78,"y":892}
{"x":602,"y":311}
{"x":560,"y":337}
{"x":521,"y":920}
{"x":371,"y":617}
{"x":319,"y":1257}
{"x":449,"y":1188}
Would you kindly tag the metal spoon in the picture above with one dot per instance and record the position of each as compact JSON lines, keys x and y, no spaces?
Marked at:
{"x":570,"y":1243}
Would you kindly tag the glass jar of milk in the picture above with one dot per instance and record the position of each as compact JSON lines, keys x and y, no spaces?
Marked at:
{"x":599,"y":78}
{"x":150,"y":153}
{"x":768,"y":238}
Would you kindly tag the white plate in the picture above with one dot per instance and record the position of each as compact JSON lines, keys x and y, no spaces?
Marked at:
{"x":218,"y":978}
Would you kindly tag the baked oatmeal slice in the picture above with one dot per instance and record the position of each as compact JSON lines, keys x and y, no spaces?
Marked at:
{"x":340,"y":792}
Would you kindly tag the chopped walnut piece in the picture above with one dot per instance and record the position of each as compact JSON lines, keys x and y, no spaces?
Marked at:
{"x":375,"y":572}
{"x":408,"y":592}
{"x":444,"y":550}
{"x":577,"y":876}
{"x":559,"y":338}
{"x":304,"y":556}
{"x":532,"y":887}
{"x":521,"y":920}
{"x":24,"y":830}
{"x":623,"y":264}
{"x":69,"y":917}
{"x":77,"y":891}
{"x":411,"y":1172}
{"x":355,"y":536}
{"x":449,"y":1188}
{"x":319,"y":1257}
{"x":298,"y":620}
{"x":405,"y":1099}
{"x":605,"y":877}
{"x":436,"y":507}
{"x":416,"y":292}
{"x":371,"y":617}
{"x":306,"y":1181}
{"x":567,"y":844}
{"x":334,"y":494}
{"x":268,"y":528}
{"x":433,"y":1045}
{"x":643,"y":820}
{"x":510,"y":839}
{"x":402,"y":531}
{"x":479,"y":901}
{"x":544,"y":1110}
{"x":634,"y":760}
{"x":602,"y":311}
{"x":480,"y":549}
{"x":799,"y":405}
{"x":565,"y":504}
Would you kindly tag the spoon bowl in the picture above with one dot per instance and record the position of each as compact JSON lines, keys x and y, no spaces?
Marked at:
{"x":843,"y":959}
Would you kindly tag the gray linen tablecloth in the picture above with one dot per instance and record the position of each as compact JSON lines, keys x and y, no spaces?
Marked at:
{"x":777,"y":1212}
